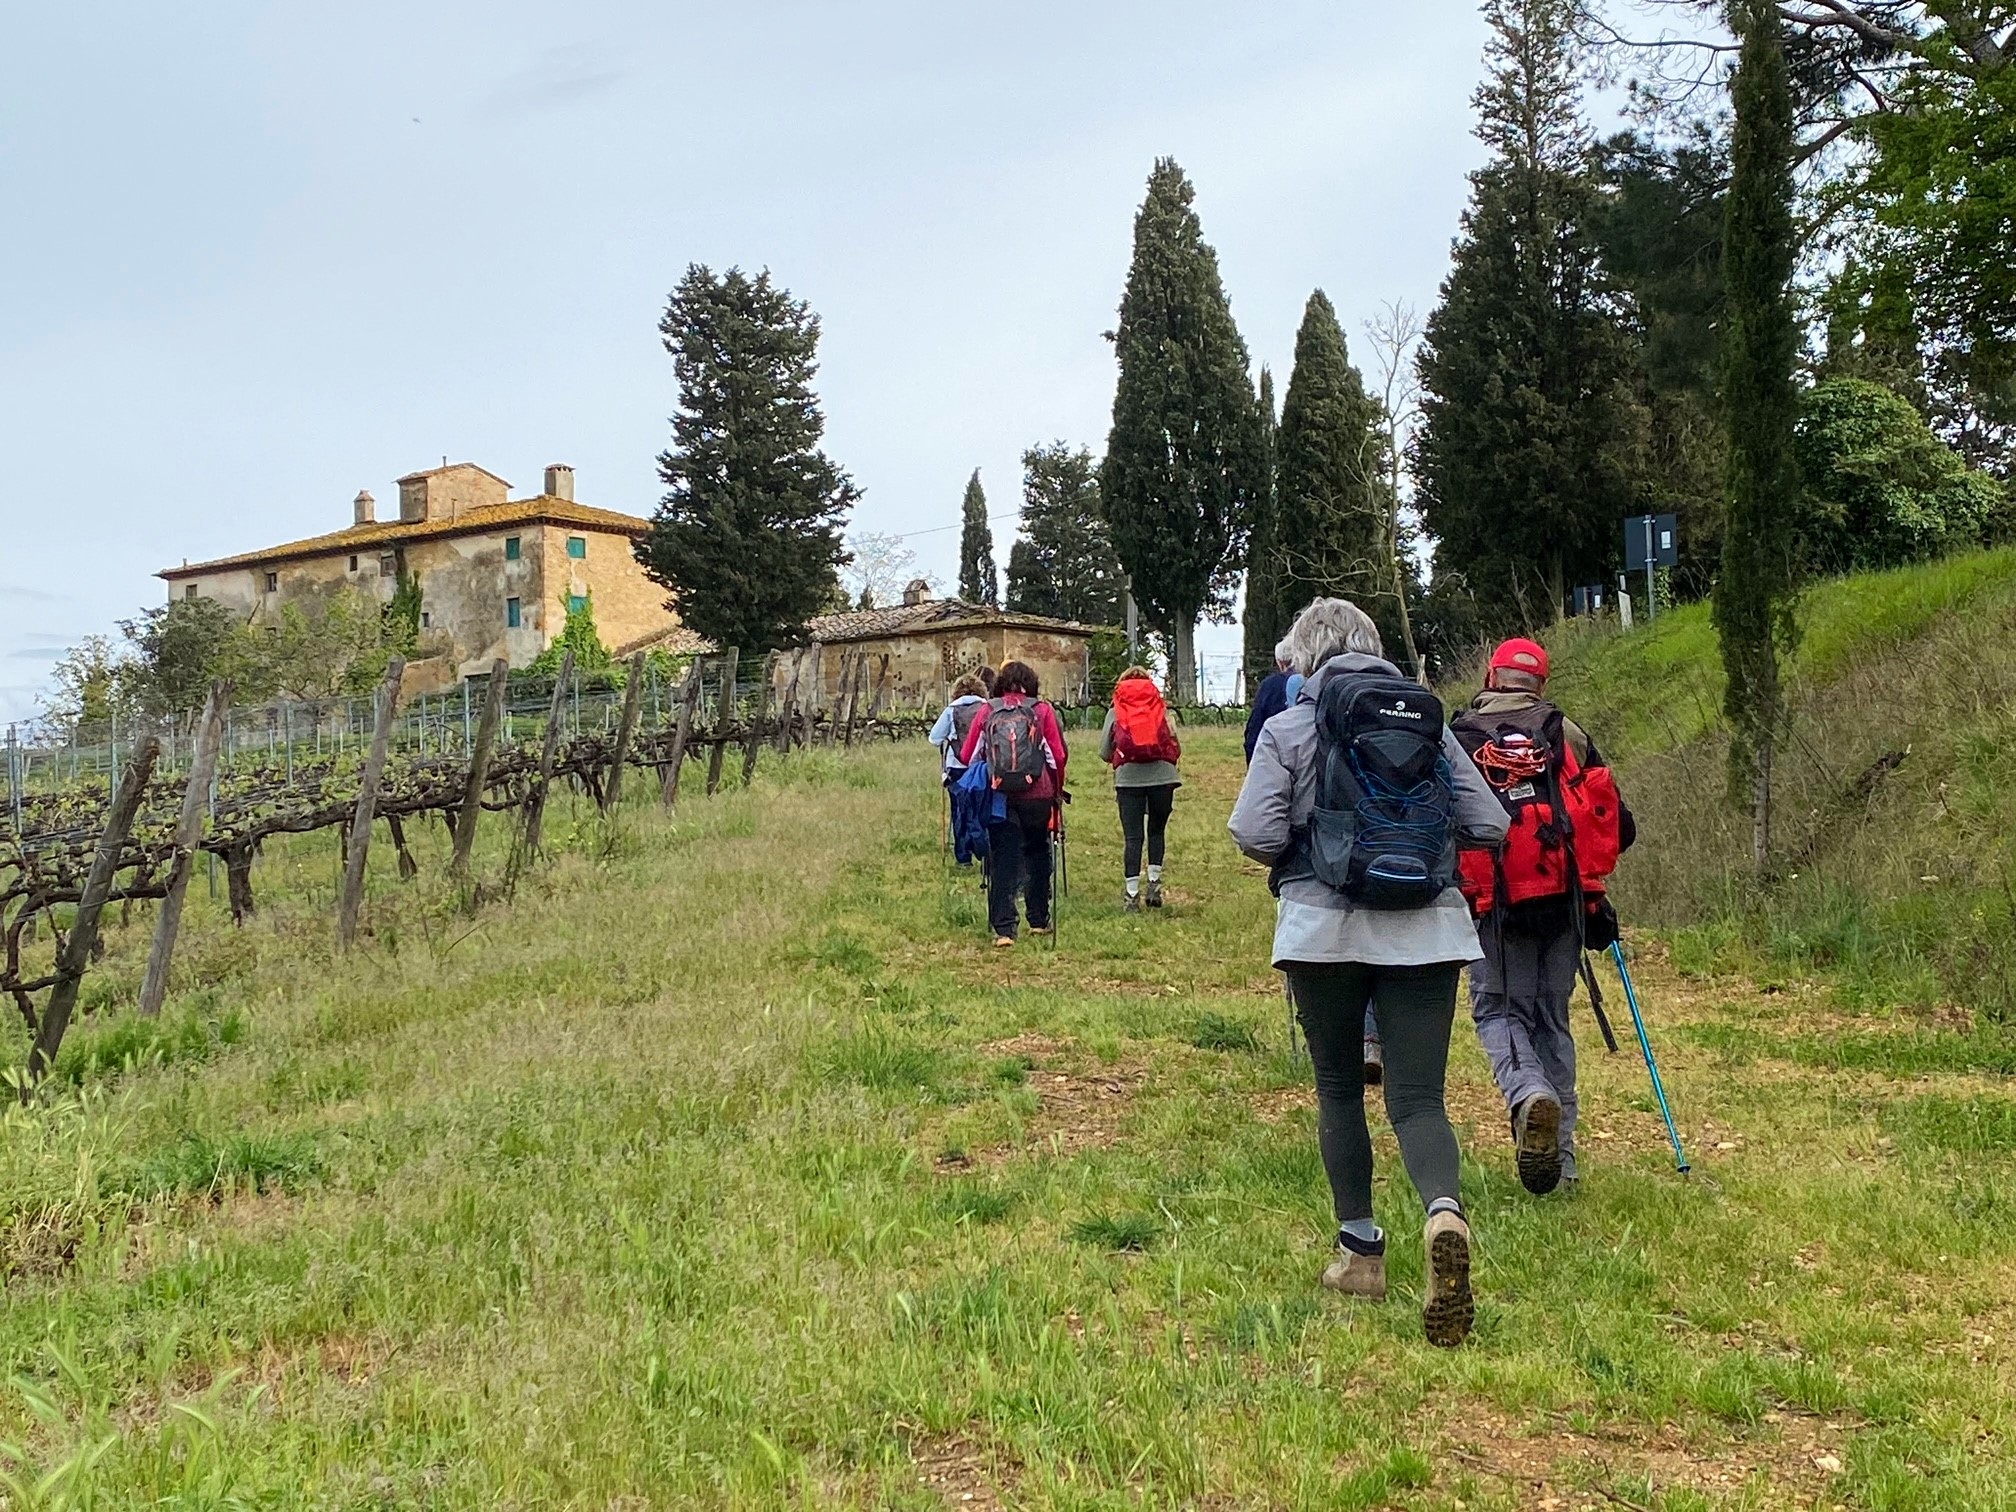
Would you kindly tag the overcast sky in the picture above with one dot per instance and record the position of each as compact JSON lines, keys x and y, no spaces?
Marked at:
{"x":261,"y":256}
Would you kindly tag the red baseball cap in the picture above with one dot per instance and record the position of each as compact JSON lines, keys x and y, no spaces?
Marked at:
{"x":1520,"y":655}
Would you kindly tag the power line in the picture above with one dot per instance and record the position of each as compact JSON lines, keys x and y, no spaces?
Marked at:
{"x":904,"y":535}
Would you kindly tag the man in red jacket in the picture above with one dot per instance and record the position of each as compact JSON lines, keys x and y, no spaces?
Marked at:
{"x":1539,"y":899}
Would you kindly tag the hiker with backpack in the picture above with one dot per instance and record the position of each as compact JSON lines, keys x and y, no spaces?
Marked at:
{"x":1143,"y":751}
{"x":1358,"y":801}
{"x":1539,"y":899}
{"x":1023,"y":745}
{"x":969,"y":702}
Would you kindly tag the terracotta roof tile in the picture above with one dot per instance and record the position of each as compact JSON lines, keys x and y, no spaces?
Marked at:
{"x":913,"y":619}
{"x":388,"y":533}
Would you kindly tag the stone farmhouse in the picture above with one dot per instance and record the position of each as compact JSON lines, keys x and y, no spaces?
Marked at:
{"x":931,"y":642}
{"x":497,"y":575}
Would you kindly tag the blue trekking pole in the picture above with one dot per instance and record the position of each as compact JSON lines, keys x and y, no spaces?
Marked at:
{"x":1645,"y":1044}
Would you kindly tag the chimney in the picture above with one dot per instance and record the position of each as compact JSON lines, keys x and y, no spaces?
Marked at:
{"x":918,"y":592}
{"x":367,"y":508}
{"x":560,"y":482}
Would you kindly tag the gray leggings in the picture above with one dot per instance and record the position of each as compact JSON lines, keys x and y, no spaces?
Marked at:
{"x":1414,"y":1006}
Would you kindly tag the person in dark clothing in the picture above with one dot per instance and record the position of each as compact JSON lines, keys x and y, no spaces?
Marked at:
{"x":1269,"y":699}
{"x":1019,"y":844}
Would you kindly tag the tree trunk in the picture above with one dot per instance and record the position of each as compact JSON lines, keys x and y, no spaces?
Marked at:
{"x":1183,"y":676}
{"x":238,"y":877}
{"x":188,"y":831}
{"x":1760,"y":808}
{"x":357,"y":837}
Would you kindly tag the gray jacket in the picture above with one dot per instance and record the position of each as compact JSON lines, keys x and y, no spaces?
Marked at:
{"x":1315,"y":922}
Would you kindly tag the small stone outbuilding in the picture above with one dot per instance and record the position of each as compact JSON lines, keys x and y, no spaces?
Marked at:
{"x":932,"y":642}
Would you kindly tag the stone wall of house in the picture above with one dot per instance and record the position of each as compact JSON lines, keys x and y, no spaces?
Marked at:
{"x":924,"y":666}
{"x":628,"y":605}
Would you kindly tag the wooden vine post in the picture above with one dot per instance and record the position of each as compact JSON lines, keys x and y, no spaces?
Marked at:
{"x":838,"y":709}
{"x":626,"y":731}
{"x":357,"y":845}
{"x":549,"y":753}
{"x":787,"y":722}
{"x":854,"y":699}
{"x":689,"y":704}
{"x":188,"y":832}
{"x":752,"y":742}
{"x":724,"y":713}
{"x":479,"y":768}
{"x":83,"y":939}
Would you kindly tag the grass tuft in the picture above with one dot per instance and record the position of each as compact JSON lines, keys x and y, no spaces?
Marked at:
{"x":1117,"y":1231}
{"x":1214,"y":1031}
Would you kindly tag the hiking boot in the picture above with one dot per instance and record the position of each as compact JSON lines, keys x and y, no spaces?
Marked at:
{"x":1357,"y":1274}
{"x":1375,"y":1063}
{"x":1155,"y":893}
{"x":1130,"y":902}
{"x":1002,"y":942}
{"x":1536,"y":1136}
{"x":1042,"y":929}
{"x":1448,"y":1311}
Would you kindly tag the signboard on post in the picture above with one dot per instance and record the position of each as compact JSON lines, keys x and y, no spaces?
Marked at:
{"x":1651,"y":542}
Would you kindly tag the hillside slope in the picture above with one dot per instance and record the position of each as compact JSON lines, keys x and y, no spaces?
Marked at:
{"x":1895,"y":802}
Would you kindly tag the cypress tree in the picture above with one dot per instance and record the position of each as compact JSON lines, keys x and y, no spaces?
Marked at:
{"x":1756,"y":596}
{"x":748,"y":537}
{"x":1527,"y":458}
{"x":1064,"y":564}
{"x":978,"y":581}
{"x":1262,"y":618}
{"x":1183,"y":460}
{"x":1331,"y":486}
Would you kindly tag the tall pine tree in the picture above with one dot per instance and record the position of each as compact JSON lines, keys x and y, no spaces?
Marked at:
{"x":1064,"y":564}
{"x":1527,"y":457}
{"x":1261,"y":620}
{"x":1183,"y":463}
{"x":1757,"y":594}
{"x":979,"y":583}
{"x":1330,"y":487}
{"x":748,"y":537}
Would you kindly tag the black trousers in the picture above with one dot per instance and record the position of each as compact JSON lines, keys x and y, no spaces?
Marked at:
{"x":1415,"y":1006}
{"x":1144,"y":813}
{"x":1019,"y":851}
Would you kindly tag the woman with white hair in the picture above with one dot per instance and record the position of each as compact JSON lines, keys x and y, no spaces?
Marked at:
{"x":1344,"y":957}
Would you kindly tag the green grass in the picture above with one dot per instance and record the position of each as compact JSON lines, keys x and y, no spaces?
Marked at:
{"x":729,"y":1166}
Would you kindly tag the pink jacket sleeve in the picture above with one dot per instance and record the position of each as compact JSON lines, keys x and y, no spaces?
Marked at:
{"x":1053,"y":734}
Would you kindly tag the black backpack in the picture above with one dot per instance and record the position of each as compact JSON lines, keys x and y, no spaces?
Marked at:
{"x":1014,"y":743}
{"x":1383,"y":832}
{"x":963,"y":716}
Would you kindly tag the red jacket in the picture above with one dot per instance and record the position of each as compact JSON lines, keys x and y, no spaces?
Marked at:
{"x":1053,"y":738}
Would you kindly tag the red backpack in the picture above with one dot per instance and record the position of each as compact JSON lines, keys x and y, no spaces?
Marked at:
{"x":1141,"y":724}
{"x":1566,"y":818}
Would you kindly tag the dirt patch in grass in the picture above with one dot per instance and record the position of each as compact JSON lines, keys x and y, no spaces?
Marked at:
{"x":962,"y":1472}
{"x":1797,"y":1456}
{"x":40,"y":1244}
{"x":1082,"y":1102}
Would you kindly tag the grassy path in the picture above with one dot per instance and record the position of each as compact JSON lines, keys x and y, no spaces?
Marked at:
{"x":728,"y":1167}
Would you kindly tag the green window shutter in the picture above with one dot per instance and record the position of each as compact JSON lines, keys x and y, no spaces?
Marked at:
{"x":512,"y":550}
{"x":577,"y":547}
{"x":576,"y":602}
{"x":513,"y":614}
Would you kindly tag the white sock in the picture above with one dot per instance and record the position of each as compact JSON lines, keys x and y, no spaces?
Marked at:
{"x":1154,"y":874}
{"x":1133,"y":887}
{"x":1362,"y":1229}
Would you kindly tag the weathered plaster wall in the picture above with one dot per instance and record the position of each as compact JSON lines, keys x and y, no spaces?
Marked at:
{"x":924,"y":667}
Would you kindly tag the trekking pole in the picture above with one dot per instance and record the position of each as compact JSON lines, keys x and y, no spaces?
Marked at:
{"x":1056,"y":869}
{"x":1645,"y":1044}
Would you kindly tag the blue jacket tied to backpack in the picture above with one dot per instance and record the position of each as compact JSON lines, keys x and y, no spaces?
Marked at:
{"x":975,"y":805}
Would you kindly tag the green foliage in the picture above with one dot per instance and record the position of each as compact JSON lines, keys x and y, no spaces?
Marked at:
{"x":1880,"y":488}
{"x":1940,"y":191}
{"x":402,"y":616}
{"x":979,"y":583}
{"x":748,"y":538}
{"x":1117,"y":1231}
{"x":91,"y":683}
{"x":1064,"y":565}
{"x":178,"y":650}
{"x":1262,"y":622}
{"x":1532,"y":435}
{"x":1658,"y":225}
{"x":1756,"y":596}
{"x":1330,"y":482}
{"x":1184,"y":462}
{"x":1215,"y":1031}
{"x":580,"y":636}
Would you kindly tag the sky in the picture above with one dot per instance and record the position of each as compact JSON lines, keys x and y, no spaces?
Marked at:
{"x":273,"y":254}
